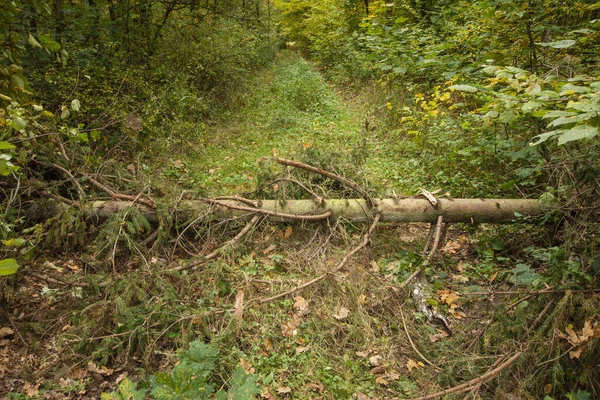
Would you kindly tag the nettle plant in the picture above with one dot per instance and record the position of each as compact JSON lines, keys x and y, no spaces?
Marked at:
{"x":568,"y":109}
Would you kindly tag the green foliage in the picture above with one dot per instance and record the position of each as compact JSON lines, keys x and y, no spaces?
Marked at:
{"x":8,"y":266}
{"x":191,"y":379}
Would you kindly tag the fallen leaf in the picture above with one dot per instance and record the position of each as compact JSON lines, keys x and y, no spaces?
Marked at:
{"x":288,"y":232}
{"x":275,"y":187}
{"x":301,"y":305}
{"x":363,"y":354}
{"x":316,"y":386}
{"x":460,"y":267}
{"x":342,"y":313}
{"x":448,"y":296}
{"x":91,"y":367}
{"x":378,"y":370}
{"x":375,"y":360}
{"x":412,"y":364}
{"x":31,"y":390}
{"x":460,"y":278}
{"x":65,"y":328}
{"x":268,"y":344}
{"x":269,"y":249}
{"x":576,"y":352}
{"x":433,"y":338}
{"x":548,"y":388}
{"x":302,"y":349}
{"x":63,"y":383}
{"x":239,"y":305}
{"x":392,"y":375}
{"x":121,"y":377}
{"x":289,"y":329}
{"x":248,"y":368}
{"x":493,"y":277}
{"x":374,"y":266}
{"x":6,"y":332}
{"x":361,"y":396}
{"x":284,"y":390}
{"x":381,"y":380}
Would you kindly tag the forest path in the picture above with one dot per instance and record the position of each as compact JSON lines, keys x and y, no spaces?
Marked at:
{"x":288,"y":109}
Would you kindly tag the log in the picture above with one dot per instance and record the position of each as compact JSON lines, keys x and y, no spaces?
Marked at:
{"x":352,"y":210}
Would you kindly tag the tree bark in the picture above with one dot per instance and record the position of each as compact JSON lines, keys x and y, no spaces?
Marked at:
{"x":353,"y":210}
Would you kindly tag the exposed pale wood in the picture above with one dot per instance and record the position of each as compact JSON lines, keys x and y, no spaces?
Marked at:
{"x":354,"y":210}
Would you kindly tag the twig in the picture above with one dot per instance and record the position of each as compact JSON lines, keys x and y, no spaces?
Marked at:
{"x":296,"y":217}
{"x":532,"y":292}
{"x":413,"y":345}
{"x":339,"y":266}
{"x":494,"y":365}
{"x":119,"y":196}
{"x":229,"y":243}
{"x":303,"y":186}
{"x":12,"y":323}
{"x":248,"y":202}
{"x":540,"y":317}
{"x":341,"y":179}
{"x":467,"y":385}
{"x":72,"y":179}
{"x":436,"y":243}
{"x":61,"y":146}
{"x":152,"y":236}
{"x":55,"y":281}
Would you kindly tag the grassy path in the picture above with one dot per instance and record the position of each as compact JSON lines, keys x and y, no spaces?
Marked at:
{"x":289,"y":110}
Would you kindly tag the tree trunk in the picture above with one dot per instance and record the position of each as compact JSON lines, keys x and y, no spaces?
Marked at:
{"x":354,"y":210}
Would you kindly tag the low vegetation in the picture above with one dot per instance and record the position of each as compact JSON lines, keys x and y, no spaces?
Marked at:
{"x":156,"y":103}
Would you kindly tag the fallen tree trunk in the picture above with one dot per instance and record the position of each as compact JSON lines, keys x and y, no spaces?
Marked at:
{"x":353,"y":210}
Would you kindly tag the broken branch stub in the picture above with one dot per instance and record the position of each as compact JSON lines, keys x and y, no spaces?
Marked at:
{"x":353,"y":210}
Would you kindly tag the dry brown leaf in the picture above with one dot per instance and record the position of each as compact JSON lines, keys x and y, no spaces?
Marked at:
{"x":381,"y":380}
{"x":460,"y":268}
{"x":316,"y":386}
{"x":361,"y":396}
{"x":275,"y":187}
{"x":460,"y":278}
{"x":374,"y":267}
{"x":302,"y":349}
{"x":342,"y":313}
{"x":121,"y":377}
{"x":239,"y":305}
{"x":412,"y":364}
{"x":247,"y":366}
{"x":362,"y":354}
{"x":91,"y":367}
{"x":393,"y":376}
{"x":448,"y":296}
{"x":458,"y":314}
{"x":433,"y":338}
{"x":284,"y":390}
{"x":31,"y":390}
{"x":375,"y":360}
{"x":576,"y":352}
{"x":548,"y":388}
{"x":289,"y":329}
{"x":288,"y":232}
{"x":452,"y":247}
{"x":6,"y":331}
{"x":65,"y":328}
{"x":269,"y":249}
{"x":378,"y":370}
{"x":268,"y":344}
{"x":493,"y":277}
{"x":301,"y":305}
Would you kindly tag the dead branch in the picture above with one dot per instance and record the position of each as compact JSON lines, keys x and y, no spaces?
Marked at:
{"x":303,"y":186}
{"x":336,"y":269}
{"x":413,"y":345}
{"x":118,"y":196}
{"x":468,"y":385}
{"x":248,"y":202}
{"x":296,"y":217}
{"x":341,"y":179}
{"x":541,"y":316}
{"x":80,"y":190}
{"x":229,"y":243}
{"x":532,"y":292}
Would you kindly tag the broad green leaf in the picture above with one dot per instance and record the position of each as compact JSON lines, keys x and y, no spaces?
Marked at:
{"x":75,"y":105}
{"x":65,"y":113}
{"x":243,"y":386}
{"x":568,"y":89}
{"x":127,"y":390}
{"x":14,"y":242}
{"x":399,"y":70}
{"x":558,"y":113}
{"x":530,"y":106}
{"x":561,"y":44}
{"x":464,"y":88}
{"x":571,"y":120}
{"x":545,"y":136}
{"x":524,"y":275}
{"x":18,"y":123}
{"x":33,"y":42}
{"x":49,"y":42}
{"x":578,"y":133}
{"x":8,"y":266}
{"x":6,"y":146}
{"x":584,"y":107}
